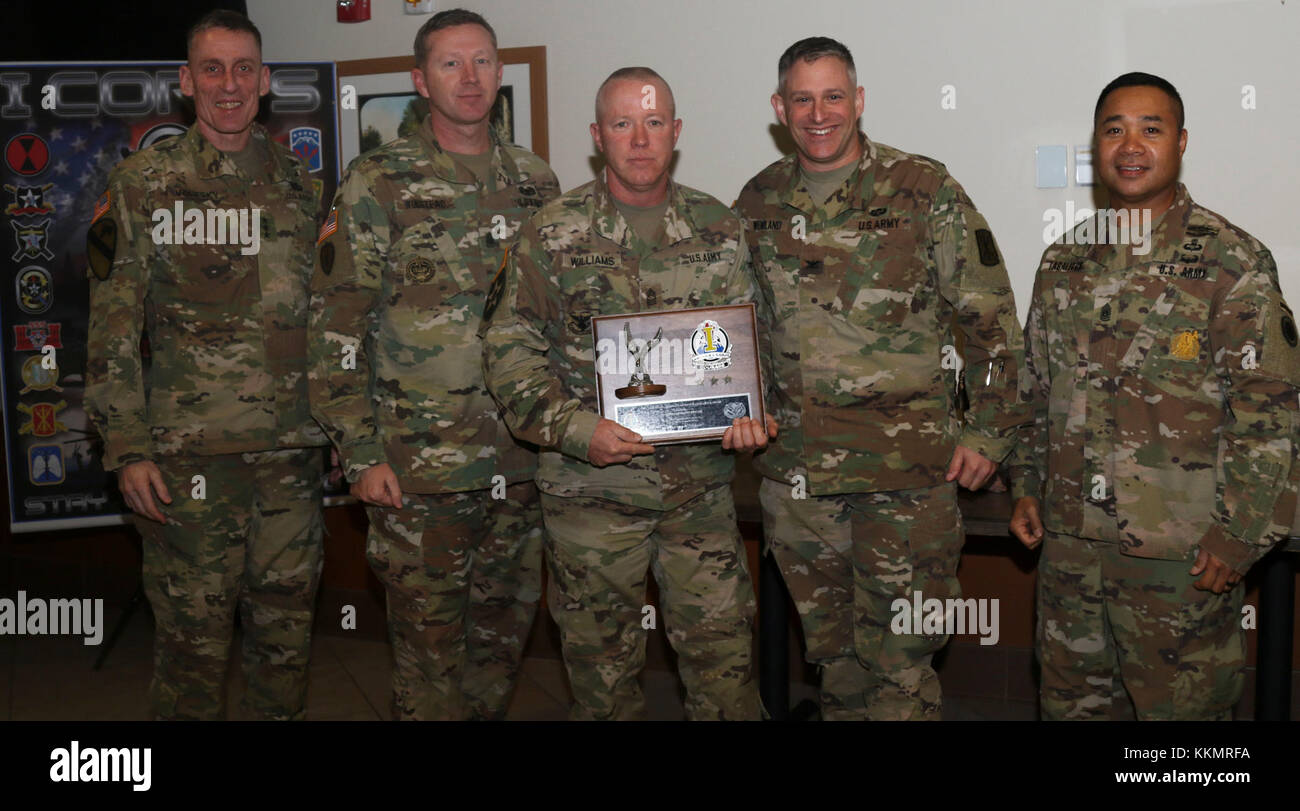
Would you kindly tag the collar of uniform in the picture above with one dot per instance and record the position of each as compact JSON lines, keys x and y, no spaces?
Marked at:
{"x":609,"y":222}
{"x":507,"y":171}
{"x":212,"y":162}
{"x":444,"y":165}
{"x":796,"y":195}
{"x":1166,"y":236}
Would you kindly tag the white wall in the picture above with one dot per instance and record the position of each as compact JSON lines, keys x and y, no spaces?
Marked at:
{"x":1026,"y":72}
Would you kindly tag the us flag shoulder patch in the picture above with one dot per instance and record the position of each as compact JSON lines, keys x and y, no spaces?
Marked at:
{"x":101,"y":207}
{"x":330,"y":225}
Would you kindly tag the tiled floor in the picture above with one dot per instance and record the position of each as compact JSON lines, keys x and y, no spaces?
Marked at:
{"x":51,"y":678}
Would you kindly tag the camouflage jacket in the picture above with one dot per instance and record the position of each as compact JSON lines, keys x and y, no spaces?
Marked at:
{"x":1164,"y":389}
{"x":866,"y":297}
{"x":227,"y":325}
{"x":404,"y":261}
{"x":578,"y":258}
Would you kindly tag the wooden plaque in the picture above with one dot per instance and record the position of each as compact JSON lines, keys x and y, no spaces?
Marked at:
{"x":699,"y":372}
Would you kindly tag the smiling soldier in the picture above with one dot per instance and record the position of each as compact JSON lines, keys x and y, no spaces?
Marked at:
{"x":1160,"y":464}
{"x":213,"y":444}
{"x":418,"y":228}
{"x":871,"y":262}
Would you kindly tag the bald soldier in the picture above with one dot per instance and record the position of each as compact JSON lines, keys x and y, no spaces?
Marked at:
{"x":872,"y":264}
{"x":630,"y":241}
{"x":1163,"y":373}
{"x":418,"y":229}
{"x":213,"y":445}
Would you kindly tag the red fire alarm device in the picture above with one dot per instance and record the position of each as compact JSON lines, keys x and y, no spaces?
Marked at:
{"x":354,"y":11}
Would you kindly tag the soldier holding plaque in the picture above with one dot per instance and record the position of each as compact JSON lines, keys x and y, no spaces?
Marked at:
{"x":636,"y":246}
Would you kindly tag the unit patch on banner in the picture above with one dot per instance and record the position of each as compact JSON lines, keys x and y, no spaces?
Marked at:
{"x":28,"y":201}
{"x":36,"y":375}
{"x":27,"y":154}
{"x":32,"y":336}
{"x":35,"y":289}
{"x":45,"y":464}
{"x":161,"y":132}
{"x":31,"y":239}
{"x":305,"y":143}
{"x":44,"y":419}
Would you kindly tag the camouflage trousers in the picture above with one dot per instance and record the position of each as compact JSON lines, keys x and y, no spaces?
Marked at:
{"x":462,"y":572}
{"x":1119,"y":635}
{"x":252,"y":543}
{"x":598,"y":552}
{"x":845,"y":559}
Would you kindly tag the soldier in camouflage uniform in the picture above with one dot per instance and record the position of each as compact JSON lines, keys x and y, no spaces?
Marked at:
{"x":630,"y":241}
{"x":217,"y":427}
{"x":1163,"y":371}
{"x":871,"y":262}
{"x":418,"y":229}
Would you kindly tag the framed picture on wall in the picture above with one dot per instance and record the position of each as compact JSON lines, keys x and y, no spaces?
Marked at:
{"x":378,"y":102}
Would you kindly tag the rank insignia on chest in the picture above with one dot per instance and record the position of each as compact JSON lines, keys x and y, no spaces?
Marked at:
{"x":1186,"y":345}
{"x":419,"y":271}
{"x":579,"y":322}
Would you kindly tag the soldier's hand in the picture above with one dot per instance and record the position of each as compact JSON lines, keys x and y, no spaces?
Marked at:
{"x":335,"y":475}
{"x":378,"y":486}
{"x":971,"y":469}
{"x":1026,"y":524}
{"x":139,"y":483}
{"x":745,"y":434}
{"x":612,"y":444}
{"x":1219,"y":576}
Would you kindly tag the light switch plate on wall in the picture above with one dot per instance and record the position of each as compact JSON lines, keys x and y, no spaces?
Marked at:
{"x":1083,"y":166}
{"x":1049,"y":167}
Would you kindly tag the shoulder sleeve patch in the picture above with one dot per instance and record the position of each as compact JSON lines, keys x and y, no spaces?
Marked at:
{"x":1280,"y":359}
{"x":1287,"y":327}
{"x":497,"y":290}
{"x":327,"y":258}
{"x":101,"y":246}
{"x":987,"y":247}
